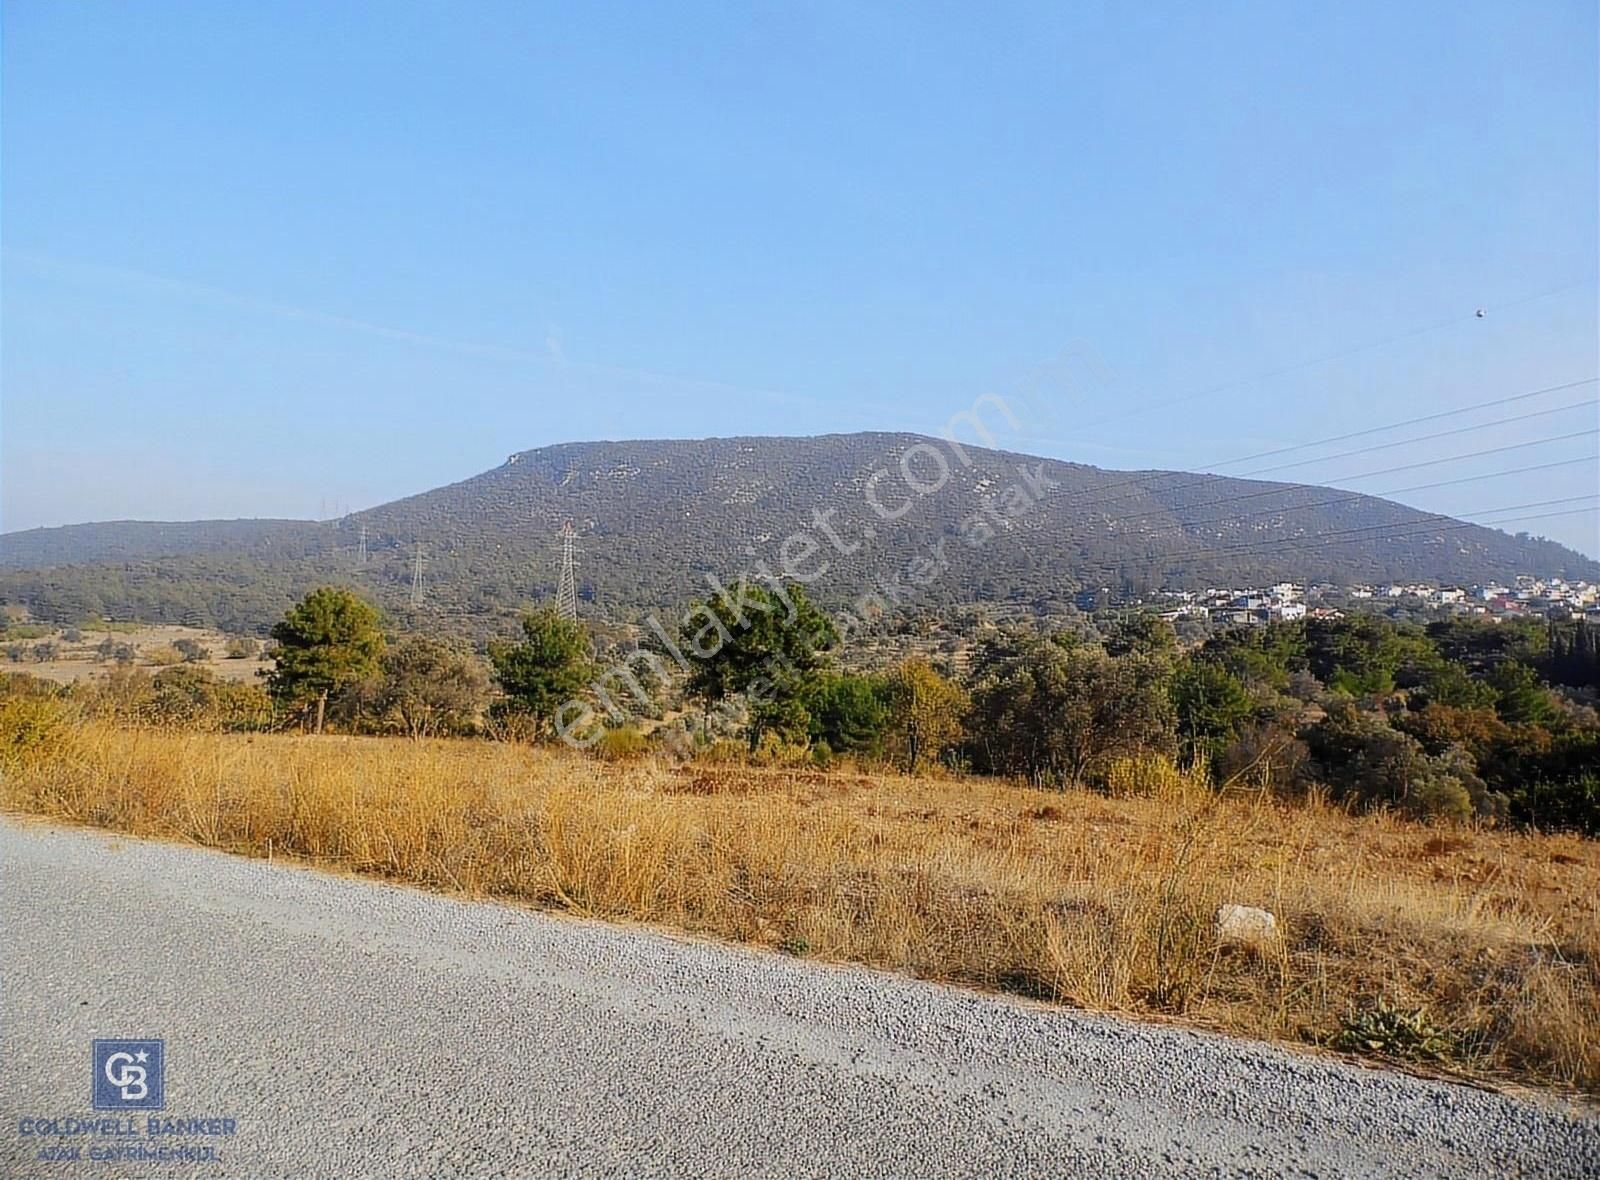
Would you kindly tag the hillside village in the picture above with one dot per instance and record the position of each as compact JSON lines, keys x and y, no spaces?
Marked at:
{"x":1529,"y":597}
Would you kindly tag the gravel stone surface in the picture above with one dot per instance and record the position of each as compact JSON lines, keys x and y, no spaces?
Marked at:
{"x":353,"y":1029}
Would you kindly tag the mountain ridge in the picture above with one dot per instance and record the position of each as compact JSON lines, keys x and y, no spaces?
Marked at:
{"x":656,"y":516}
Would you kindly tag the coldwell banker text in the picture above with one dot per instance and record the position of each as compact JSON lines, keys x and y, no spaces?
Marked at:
{"x":152,"y":1139}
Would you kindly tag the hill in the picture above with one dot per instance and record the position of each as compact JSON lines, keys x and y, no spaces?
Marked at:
{"x":655,"y":518}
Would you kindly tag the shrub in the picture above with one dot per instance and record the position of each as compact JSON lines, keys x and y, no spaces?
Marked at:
{"x":723,"y":752}
{"x":1266,"y":756}
{"x":242,"y":647}
{"x":427,"y":688}
{"x":775,"y":749}
{"x":620,"y":744}
{"x":192,"y":650}
{"x":181,"y":696}
{"x":1573,"y":803}
{"x":34,"y":729}
{"x":121,"y":697}
{"x":190,"y":697}
{"x":165,"y":656}
{"x":1154,"y":776}
{"x":240,"y":707}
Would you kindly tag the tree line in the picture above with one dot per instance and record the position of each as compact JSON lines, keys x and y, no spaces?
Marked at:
{"x":1458,"y":719}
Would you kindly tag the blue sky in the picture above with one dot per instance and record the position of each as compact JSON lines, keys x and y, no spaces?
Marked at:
{"x":294,"y":258}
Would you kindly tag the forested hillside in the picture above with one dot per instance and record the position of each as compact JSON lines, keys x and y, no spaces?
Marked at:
{"x":654,"y":518}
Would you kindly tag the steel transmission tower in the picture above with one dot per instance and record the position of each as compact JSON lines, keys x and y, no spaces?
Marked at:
{"x":362,"y":558}
{"x":416,"y":578}
{"x":567,"y":588}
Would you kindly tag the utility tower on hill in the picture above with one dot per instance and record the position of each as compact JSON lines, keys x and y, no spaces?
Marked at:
{"x":567,"y":588}
{"x":416,"y":578}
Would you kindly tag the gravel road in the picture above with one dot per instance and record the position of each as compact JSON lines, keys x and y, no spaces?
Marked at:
{"x":352,"y":1029}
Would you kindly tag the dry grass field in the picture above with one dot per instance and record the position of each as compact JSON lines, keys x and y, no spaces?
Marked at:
{"x":1473,"y":952}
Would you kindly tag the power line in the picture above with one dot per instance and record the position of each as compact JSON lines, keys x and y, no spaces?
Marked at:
{"x":1281,"y":489}
{"x":1498,"y":401}
{"x":1538,"y":442}
{"x":1291,"y":488}
{"x":1419,"y":438}
{"x":1145,"y":482}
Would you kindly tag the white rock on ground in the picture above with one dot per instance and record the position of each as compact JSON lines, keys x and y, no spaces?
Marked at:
{"x":1246,"y":926}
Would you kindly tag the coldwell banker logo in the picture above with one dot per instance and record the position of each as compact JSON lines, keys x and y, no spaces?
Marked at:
{"x":129,"y":1075}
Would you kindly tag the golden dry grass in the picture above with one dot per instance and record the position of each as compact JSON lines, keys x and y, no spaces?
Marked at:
{"x":1104,"y":902}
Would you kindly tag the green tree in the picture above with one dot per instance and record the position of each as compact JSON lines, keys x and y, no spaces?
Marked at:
{"x":1575,"y":653}
{"x":1212,"y":706}
{"x":925,"y":712}
{"x":783,"y":714}
{"x":1480,"y":644}
{"x":1059,"y":716}
{"x":1141,"y":634}
{"x":1520,"y":697}
{"x":548,"y":667}
{"x":327,"y":643}
{"x":848,"y":712}
{"x":1450,"y":684}
{"x":1263,"y":659}
{"x":1358,"y":655}
{"x":763,"y":643}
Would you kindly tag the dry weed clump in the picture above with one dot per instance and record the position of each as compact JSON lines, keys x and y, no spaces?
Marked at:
{"x":1487,"y":941}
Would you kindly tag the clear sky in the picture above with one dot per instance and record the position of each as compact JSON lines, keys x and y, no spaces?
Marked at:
{"x":294,"y":258}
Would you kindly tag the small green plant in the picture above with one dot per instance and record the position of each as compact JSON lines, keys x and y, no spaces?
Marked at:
{"x":1389,"y":1031}
{"x":796,"y":946}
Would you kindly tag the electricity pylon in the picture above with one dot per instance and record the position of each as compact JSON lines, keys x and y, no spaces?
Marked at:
{"x":567,"y":588}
